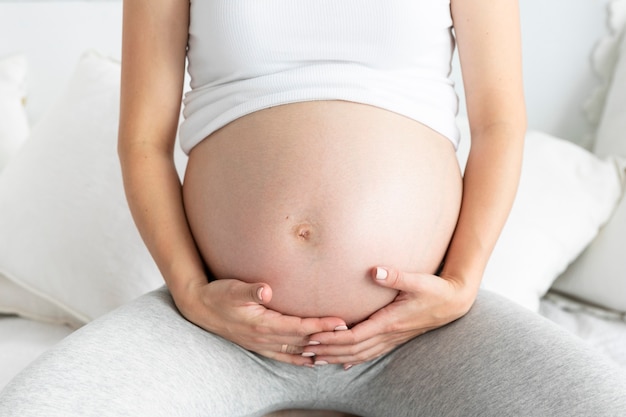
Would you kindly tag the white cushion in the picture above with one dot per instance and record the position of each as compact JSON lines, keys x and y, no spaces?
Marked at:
{"x":13,"y":121}
{"x":66,"y":234}
{"x":16,"y":300}
{"x":14,"y":130}
{"x":611,"y":134}
{"x":598,"y":276}
{"x":22,"y":342}
{"x":565,"y":195}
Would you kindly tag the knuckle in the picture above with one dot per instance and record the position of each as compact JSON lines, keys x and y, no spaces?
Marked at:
{"x":301,"y":332}
{"x":393,"y":327}
{"x":354,"y":352}
{"x":259,"y":329}
{"x":395,"y":277}
{"x":308,"y":326}
{"x":264,"y":340}
{"x":257,"y":340}
{"x":350,"y":339}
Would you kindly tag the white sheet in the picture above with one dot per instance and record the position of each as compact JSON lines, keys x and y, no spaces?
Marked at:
{"x":22,"y":340}
{"x":602,"y":329}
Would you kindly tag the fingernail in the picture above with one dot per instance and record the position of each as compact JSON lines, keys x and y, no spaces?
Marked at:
{"x":381,"y":273}
{"x":259,"y":292}
{"x":314,"y":343}
{"x":341,"y":328}
{"x":308,"y":354}
{"x":321,"y":363}
{"x":345,"y":368}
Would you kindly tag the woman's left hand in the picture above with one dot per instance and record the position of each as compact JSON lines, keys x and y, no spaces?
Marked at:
{"x":425,"y":302}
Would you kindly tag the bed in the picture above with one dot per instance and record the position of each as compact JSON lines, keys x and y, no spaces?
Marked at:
{"x":69,"y":252}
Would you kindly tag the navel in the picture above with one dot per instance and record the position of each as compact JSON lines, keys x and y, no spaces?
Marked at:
{"x":302,"y":229}
{"x":304,"y":232}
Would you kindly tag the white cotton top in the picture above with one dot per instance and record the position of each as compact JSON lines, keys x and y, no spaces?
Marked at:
{"x":248,"y":55}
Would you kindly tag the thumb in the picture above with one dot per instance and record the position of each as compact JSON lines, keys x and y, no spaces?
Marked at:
{"x":261,"y":293}
{"x":393,"y":278}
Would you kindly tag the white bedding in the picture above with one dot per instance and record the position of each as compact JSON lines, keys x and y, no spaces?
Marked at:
{"x":602,"y":329}
{"x":22,"y":340}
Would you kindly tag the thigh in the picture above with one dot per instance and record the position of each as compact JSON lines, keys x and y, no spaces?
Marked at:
{"x":498,"y":360}
{"x":145,"y":359}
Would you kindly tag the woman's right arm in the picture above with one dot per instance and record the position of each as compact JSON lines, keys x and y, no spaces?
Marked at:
{"x":153,"y":64}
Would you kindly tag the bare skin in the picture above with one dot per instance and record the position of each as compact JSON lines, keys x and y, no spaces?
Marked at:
{"x":306,"y":197}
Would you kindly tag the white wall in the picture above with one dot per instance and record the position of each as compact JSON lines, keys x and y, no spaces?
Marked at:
{"x":53,"y":35}
{"x":558,"y":37}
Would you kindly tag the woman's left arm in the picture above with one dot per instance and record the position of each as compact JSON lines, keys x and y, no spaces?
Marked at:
{"x":489,"y":45}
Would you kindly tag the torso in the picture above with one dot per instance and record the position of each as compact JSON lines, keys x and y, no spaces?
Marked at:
{"x":308,"y":197}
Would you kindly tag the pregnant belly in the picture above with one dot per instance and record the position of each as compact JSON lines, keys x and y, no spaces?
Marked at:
{"x":309,"y":197}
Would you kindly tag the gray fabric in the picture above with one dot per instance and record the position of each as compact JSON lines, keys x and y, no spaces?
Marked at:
{"x":144,"y":359}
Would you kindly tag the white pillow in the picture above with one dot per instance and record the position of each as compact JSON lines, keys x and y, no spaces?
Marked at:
{"x":611,"y":134}
{"x":564,"y":197}
{"x":14,"y":130}
{"x":598,"y":276}
{"x":610,"y":99}
{"x":18,"y":301}
{"x":66,"y":234}
{"x":13,"y":121}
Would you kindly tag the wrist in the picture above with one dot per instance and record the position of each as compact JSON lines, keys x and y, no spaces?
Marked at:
{"x":466,"y":287}
{"x":185,"y":288}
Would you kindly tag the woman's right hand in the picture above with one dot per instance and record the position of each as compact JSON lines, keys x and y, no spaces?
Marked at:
{"x":234,"y":310}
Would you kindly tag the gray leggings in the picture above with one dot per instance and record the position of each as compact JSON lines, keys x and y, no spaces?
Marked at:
{"x":145,"y":359}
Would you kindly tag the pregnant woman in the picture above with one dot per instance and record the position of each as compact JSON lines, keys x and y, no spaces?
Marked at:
{"x":321,"y":140}
{"x":323,"y":251}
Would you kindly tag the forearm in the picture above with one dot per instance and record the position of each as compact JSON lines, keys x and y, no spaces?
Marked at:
{"x":489,"y":43}
{"x":154,"y":196}
{"x":154,"y":40}
{"x":490,"y":185}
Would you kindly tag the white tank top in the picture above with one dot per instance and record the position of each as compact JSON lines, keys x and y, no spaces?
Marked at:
{"x":248,"y":55}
